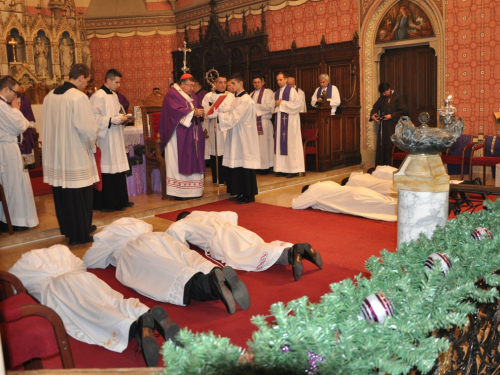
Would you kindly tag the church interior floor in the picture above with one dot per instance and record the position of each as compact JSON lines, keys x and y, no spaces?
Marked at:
{"x":273,"y":190}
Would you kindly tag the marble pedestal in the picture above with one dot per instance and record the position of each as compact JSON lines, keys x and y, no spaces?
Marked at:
{"x":423,"y":193}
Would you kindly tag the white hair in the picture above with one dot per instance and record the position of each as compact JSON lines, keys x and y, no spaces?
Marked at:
{"x":325,"y":77}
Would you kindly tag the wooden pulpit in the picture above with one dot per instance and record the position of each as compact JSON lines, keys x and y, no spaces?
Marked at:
{"x":338,"y":138}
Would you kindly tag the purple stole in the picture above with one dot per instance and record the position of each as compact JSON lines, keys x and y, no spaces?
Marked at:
{"x":28,"y":139}
{"x":328,"y":91}
{"x":260,"y":131}
{"x":284,"y":123}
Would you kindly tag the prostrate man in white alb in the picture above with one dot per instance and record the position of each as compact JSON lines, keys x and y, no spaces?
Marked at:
{"x":213,"y":132}
{"x":331,"y":91}
{"x":302,"y":96}
{"x":241,"y":149}
{"x":381,"y":186}
{"x":160,"y":267}
{"x":13,"y":177}
{"x":69,"y":135}
{"x":91,"y":311}
{"x":218,"y":234}
{"x":289,"y":154}
{"x":109,"y":117}
{"x":264,"y":105}
{"x":358,"y":201}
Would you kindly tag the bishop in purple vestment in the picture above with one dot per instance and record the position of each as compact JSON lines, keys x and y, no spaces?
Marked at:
{"x":28,"y":139}
{"x":183,"y":139}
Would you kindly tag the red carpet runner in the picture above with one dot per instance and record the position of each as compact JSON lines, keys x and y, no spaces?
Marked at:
{"x":345,"y":242}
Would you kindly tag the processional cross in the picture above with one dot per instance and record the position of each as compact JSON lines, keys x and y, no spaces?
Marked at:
{"x":185,"y":50}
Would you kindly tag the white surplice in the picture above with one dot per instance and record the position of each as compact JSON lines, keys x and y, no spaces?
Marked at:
{"x":181,"y":185}
{"x":384,"y":172}
{"x":358,"y":201}
{"x":384,"y":187}
{"x":13,"y":177}
{"x":334,"y":100}
{"x":294,"y":161}
{"x":212,"y":97}
{"x":68,"y":136}
{"x":241,"y":148}
{"x":266,"y":140}
{"x":154,"y":264}
{"x":302,"y":98}
{"x":91,"y":311}
{"x":110,"y":137}
{"x":218,"y":234}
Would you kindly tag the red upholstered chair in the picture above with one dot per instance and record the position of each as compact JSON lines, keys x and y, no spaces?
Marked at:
{"x":6,"y":210}
{"x":484,"y":161}
{"x":29,"y":330}
{"x":310,"y":141}
{"x":395,"y":155}
{"x":461,"y":160}
{"x":151,"y":113}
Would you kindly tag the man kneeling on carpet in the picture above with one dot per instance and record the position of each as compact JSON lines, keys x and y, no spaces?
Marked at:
{"x":218,"y":234}
{"x":91,"y":311}
{"x":358,"y":201}
{"x":160,"y":267}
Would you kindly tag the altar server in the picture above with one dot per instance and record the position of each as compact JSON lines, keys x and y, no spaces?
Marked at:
{"x":183,"y":139}
{"x":69,"y":136}
{"x":331,"y":91}
{"x":110,"y":117}
{"x":220,"y":236}
{"x":264,"y":105}
{"x":91,"y":311}
{"x":13,"y":177}
{"x":160,"y":267}
{"x":289,"y":154}
{"x":302,"y":96}
{"x":241,"y":148}
{"x":358,"y":201}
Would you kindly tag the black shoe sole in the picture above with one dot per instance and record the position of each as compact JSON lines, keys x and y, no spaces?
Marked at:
{"x":161,"y":319}
{"x":225,"y":294}
{"x":297,"y":266}
{"x":316,"y":259}
{"x":149,"y":345}
{"x":74,"y":243}
{"x":238,"y":288}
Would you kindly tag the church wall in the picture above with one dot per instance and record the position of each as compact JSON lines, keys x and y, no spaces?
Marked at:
{"x":144,"y":61}
{"x":472,"y":71}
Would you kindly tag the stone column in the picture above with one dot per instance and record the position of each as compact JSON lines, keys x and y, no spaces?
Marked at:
{"x":423,"y":192}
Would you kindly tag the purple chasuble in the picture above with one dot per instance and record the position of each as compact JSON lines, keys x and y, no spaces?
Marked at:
{"x":28,"y":140}
{"x":283,"y":136}
{"x":260,"y":131}
{"x":190,"y":141}
{"x":328,"y":91}
{"x":123,"y":101}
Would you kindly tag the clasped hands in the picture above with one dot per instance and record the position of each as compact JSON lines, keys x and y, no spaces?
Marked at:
{"x":198,"y":112}
{"x":375,"y":118}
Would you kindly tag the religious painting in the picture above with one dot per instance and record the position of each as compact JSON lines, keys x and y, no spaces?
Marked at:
{"x":405,"y":20}
{"x":41,"y":49}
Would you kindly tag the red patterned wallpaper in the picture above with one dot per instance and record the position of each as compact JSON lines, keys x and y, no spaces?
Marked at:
{"x":472,"y":62}
{"x":144,"y":61}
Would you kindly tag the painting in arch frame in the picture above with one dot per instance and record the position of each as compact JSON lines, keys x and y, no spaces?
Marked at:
{"x":405,"y":20}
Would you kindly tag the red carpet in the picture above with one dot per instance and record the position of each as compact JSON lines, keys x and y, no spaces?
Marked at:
{"x":39,"y":187}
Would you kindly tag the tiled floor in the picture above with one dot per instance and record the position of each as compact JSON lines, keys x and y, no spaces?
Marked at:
{"x":272,"y":190}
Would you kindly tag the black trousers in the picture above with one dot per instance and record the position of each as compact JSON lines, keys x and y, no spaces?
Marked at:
{"x":222,"y":170}
{"x":114,"y":194}
{"x":198,"y":288}
{"x":242,"y":181}
{"x":74,"y":211}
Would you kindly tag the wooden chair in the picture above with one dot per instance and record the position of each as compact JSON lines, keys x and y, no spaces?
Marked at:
{"x":151,"y":111}
{"x":310,"y":136}
{"x":6,"y":210}
{"x":30,"y":331}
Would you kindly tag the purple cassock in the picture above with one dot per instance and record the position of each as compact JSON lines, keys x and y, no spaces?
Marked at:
{"x":28,"y":140}
{"x":201,"y":94}
{"x":190,"y":141}
{"x":123,"y":101}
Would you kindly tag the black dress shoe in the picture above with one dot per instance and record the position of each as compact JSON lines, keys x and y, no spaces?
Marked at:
{"x":291,"y":175}
{"x":74,"y":242}
{"x":247,"y":199}
{"x":129,"y":204}
{"x":93,"y":228}
{"x":218,"y":286}
{"x":312,"y":256}
{"x":295,"y":259}
{"x":237,"y":197}
{"x":146,"y":339}
{"x":167,"y":328}
{"x":280,"y":174}
{"x":237,"y":287}
{"x":19,"y":229}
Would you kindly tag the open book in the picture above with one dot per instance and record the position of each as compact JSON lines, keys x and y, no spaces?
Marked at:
{"x":216,"y":105}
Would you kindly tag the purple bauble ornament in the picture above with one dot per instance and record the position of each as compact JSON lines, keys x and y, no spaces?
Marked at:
{"x":481,"y":233}
{"x":375,"y":308}
{"x":438,"y":257}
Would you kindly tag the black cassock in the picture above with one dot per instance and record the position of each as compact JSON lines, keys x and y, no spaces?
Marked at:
{"x":395,"y":106}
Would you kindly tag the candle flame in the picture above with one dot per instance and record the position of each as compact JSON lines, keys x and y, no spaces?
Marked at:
{"x":449,"y":97}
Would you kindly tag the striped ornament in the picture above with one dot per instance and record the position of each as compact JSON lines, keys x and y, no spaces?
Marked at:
{"x":481,"y":233}
{"x":375,"y":308}
{"x":438,"y":257}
